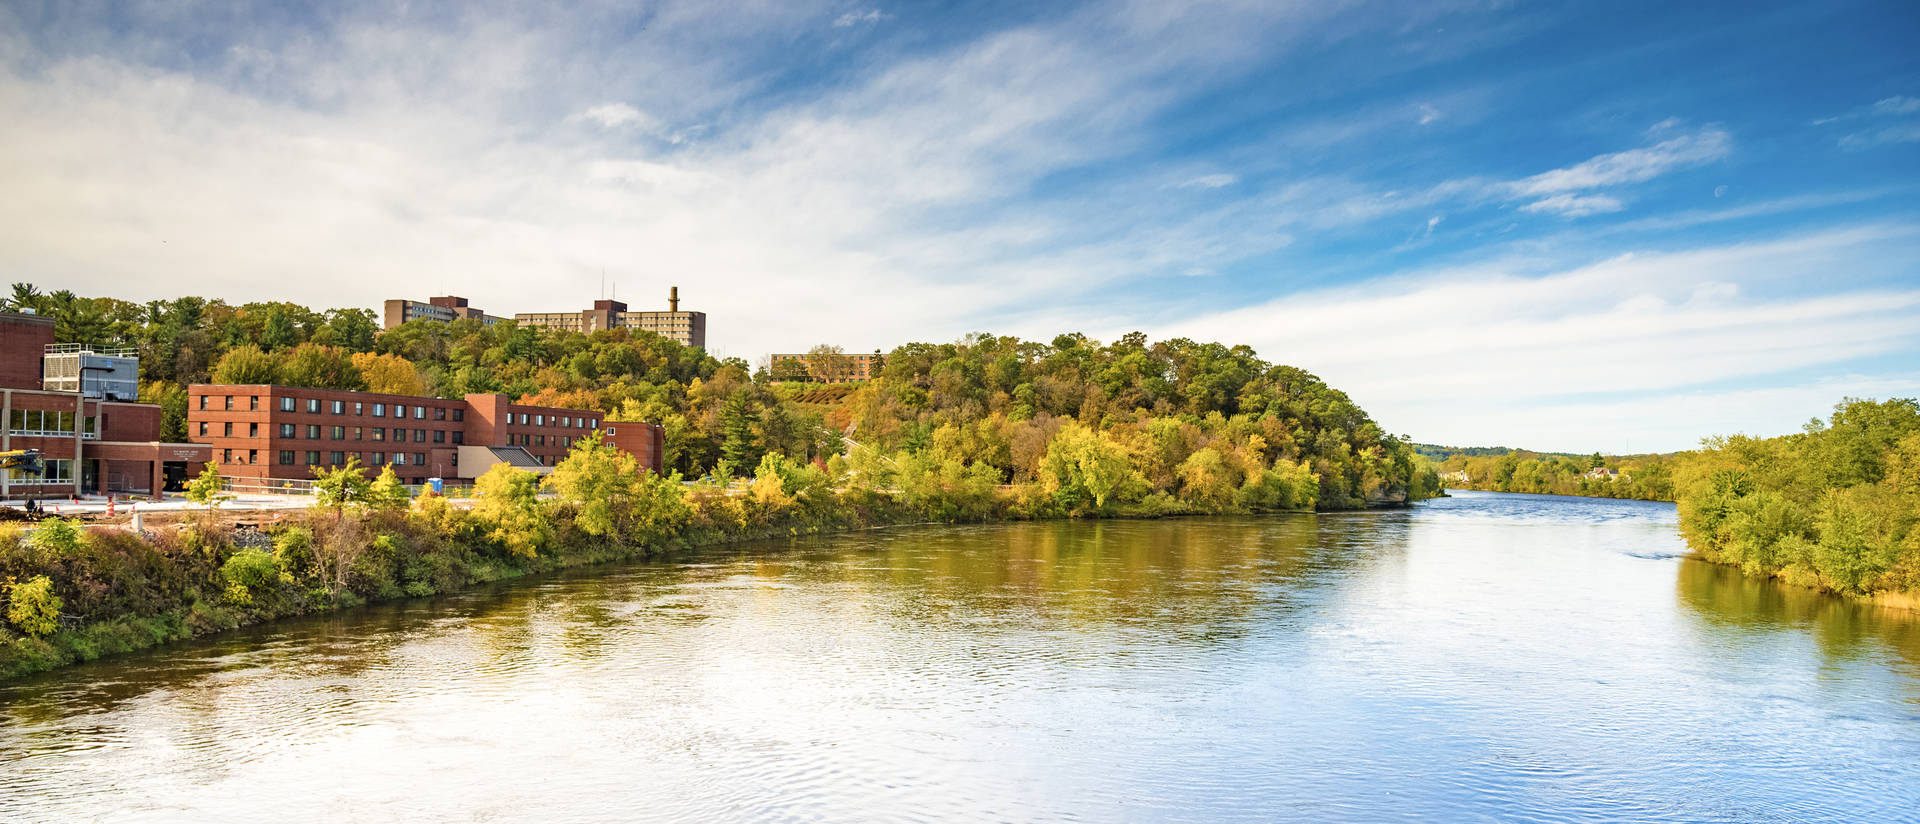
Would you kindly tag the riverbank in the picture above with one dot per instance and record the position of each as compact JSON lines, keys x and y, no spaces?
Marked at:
{"x":78,"y":593}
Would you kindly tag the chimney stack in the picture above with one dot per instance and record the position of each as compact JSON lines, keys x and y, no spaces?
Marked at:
{"x":673,"y":298}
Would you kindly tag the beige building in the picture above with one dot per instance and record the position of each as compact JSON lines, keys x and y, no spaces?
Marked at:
{"x":445,"y":309}
{"x":688,"y":328}
{"x":832,"y":368}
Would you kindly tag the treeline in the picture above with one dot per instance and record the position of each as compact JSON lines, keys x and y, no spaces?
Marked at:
{"x":70,"y":593}
{"x":1634,"y":477}
{"x":1196,"y":424}
{"x":1836,"y":507}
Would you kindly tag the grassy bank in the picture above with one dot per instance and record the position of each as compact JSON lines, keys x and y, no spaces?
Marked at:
{"x":75,"y":593}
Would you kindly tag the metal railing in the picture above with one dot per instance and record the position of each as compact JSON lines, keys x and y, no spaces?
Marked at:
{"x":85,"y":349}
{"x":267,"y":486}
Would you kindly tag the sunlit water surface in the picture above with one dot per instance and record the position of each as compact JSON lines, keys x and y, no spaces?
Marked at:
{"x":1481,"y":658}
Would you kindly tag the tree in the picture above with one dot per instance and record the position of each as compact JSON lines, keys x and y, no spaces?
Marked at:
{"x":247,"y":365}
{"x":829,"y":364}
{"x":388,"y":374}
{"x":208,"y":490}
{"x":321,"y":367}
{"x":738,"y":449}
{"x":386,"y":493}
{"x":789,"y":370}
{"x":340,"y":488}
{"x":509,"y":505}
{"x":1083,"y":467}
{"x":278,"y":333}
{"x":601,"y":481}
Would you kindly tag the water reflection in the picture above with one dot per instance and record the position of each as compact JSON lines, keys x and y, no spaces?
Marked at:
{"x":1484,"y":657}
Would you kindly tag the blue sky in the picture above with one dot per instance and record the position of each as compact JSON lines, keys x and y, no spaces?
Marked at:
{"x":1602,"y":226}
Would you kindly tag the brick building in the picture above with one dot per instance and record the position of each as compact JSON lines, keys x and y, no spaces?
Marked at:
{"x":88,"y":443}
{"x":835,"y":368}
{"x":689,"y":328}
{"x":263,"y":433}
{"x":444,"y":309}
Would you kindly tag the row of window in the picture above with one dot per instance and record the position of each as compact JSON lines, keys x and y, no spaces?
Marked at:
{"x":539,"y":440}
{"x":372,"y":459}
{"x":50,"y":423}
{"x":339,"y":433}
{"x":316,"y":406}
{"x":54,"y":471}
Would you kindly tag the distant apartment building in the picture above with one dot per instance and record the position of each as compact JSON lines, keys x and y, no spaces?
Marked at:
{"x":836,"y":368}
{"x":74,"y":406}
{"x":445,"y":309}
{"x":689,"y":328}
{"x":265,"y":433}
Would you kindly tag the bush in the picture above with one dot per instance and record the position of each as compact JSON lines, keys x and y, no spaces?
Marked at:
{"x":33,"y":607}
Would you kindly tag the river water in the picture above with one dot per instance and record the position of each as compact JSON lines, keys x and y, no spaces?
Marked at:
{"x":1480,"y":658}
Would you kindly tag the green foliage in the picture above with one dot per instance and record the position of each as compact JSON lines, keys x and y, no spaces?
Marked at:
{"x":386,"y":493}
{"x":1083,"y":470}
{"x":601,"y":482}
{"x":508,"y":503}
{"x":1835,"y":507}
{"x":244,"y":365}
{"x":206,"y":489}
{"x":342,"y":487}
{"x":33,"y":607}
{"x":54,"y":539}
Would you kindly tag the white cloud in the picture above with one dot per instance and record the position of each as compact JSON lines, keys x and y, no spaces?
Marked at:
{"x":1632,"y":166}
{"x":855,"y":18}
{"x":1213,"y":181}
{"x":1569,"y":205}
{"x":612,"y":115}
{"x":1467,"y":354}
{"x":1897,"y":105}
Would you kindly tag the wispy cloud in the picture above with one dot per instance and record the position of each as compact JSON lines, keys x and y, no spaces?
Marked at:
{"x":612,"y":115}
{"x":1570,"y":205}
{"x":1213,"y":181}
{"x":855,"y":18}
{"x":1631,"y":166}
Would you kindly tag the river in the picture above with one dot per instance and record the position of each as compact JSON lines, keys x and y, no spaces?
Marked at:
{"x":1485,"y":657}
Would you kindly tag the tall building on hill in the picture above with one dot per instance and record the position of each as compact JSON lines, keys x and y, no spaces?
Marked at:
{"x":689,"y":328}
{"x":444,"y":309}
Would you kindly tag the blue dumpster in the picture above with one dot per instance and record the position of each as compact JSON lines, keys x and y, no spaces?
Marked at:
{"x":436,"y":486}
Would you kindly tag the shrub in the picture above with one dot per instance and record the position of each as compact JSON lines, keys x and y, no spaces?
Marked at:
{"x":33,"y":607}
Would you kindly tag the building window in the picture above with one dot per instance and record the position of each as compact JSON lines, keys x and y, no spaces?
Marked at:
{"x":399,"y":435}
{"x":313,"y":405}
{"x":339,"y":407}
{"x":459,"y":414}
{"x":286,"y":430}
{"x":356,"y":433}
{"x":336,"y":458}
{"x":203,"y":429}
{"x":523,"y":419}
{"x":313,"y":432}
{"x":203,"y":402}
{"x":253,"y":430}
{"x":539,"y":420}
{"x":229,"y":402}
{"x":539,"y":440}
{"x":419,"y":436}
{"x":379,"y":458}
{"x":379,"y":433}
{"x":226,"y":456}
{"x":253,"y":403}
{"x":593,"y":423}
{"x":459,"y":436}
{"x":286,"y":457}
{"x":359,"y":408}
{"x":419,"y":459}
{"x":439,"y":413}
{"x":439,"y":436}
{"x":379,"y":410}
{"x":339,"y":433}
{"x":313,"y":457}
{"x":226,"y":429}
{"x":399,"y":459}
{"x":420,"y":413}
{"x":286,"y":404}
{"x":253,"y":456}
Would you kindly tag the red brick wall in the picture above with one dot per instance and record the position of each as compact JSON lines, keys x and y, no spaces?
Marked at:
{"x":23,"y":340}
{"x":644,"y":441}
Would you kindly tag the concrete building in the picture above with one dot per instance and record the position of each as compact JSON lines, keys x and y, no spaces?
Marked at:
{"x":689,"y":328}
{"x":90,"y":440}
{"x":836,"y":369}
{"x":445,"y":309}
{"x":262,"y":434}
